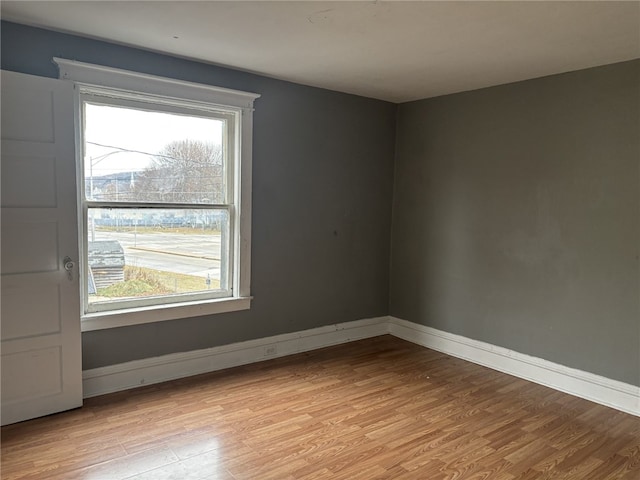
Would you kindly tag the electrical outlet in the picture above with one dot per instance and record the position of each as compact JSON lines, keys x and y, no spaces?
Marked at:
{"x":270,"y":350}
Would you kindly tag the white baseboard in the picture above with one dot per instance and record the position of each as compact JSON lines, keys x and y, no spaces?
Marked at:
{"x":589,"y":386}
{"x":123,"y":376}
{"x":605,"y":391}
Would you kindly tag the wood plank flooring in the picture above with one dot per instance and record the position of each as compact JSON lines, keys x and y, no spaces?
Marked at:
{"x":380,"y":408}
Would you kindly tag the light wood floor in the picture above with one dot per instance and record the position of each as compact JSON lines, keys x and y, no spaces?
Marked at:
{"x":375,"y":409}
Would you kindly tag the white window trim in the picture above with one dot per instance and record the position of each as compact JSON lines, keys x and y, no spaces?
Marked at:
{"x":100,"y":76}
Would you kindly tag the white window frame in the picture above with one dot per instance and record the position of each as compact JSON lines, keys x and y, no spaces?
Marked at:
{"x":89,"y":77}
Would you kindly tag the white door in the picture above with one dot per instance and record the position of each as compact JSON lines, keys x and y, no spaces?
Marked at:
{"x":41,"y":343}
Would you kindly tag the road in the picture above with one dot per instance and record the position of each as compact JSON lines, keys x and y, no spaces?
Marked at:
{"x":190,"y":254}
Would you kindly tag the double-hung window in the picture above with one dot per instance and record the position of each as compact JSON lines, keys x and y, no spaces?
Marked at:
{"x":164,"y":194}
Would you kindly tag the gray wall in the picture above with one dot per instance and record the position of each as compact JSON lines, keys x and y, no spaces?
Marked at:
{"x":322,"y":178}
{"x":516,"y":217}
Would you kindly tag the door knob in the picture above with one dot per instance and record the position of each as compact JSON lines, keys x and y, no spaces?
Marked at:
{"x":68,"y":265}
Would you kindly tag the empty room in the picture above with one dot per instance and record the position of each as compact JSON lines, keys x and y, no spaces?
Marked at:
{"x":320,"y":240}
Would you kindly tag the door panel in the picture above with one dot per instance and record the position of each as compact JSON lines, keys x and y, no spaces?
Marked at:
{"x":41,"y":342}
{"x":28,"y":100}
{"x":33,"y":318}
{"x":29,"y":247}
{"x":41,"y":173}
{"x":16,"y":387}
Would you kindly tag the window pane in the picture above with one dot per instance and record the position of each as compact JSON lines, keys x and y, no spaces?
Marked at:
{"x":143,"y":156}
{"x":142,"y":253}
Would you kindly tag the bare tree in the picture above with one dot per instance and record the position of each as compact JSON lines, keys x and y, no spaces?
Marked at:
{"x":184,"y":171}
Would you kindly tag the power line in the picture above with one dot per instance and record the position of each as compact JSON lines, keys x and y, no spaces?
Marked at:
{"x":128,"y":150}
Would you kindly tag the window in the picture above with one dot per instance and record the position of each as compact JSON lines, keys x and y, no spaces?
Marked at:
{"x":164,"y":195}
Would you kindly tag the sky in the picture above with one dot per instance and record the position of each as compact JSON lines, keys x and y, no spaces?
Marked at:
{"x":139,"y":130}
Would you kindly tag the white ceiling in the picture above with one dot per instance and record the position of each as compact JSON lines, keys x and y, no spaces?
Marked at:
{"x":396,"y":51}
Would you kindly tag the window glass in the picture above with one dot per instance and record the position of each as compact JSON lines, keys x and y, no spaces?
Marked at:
{"x":157,"y":210}
{"x":153,"y":156}
{"x":140,"y":253}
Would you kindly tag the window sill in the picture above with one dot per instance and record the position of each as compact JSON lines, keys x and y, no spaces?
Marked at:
{"x":159,"y":313}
